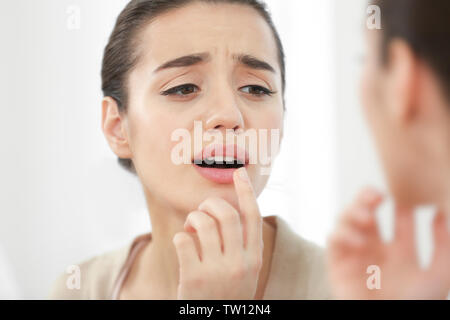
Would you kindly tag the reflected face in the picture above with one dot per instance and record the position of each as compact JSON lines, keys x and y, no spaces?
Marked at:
{"x":376,"y":104}
{"x":373,"y":94}
{"x":401,"y":145}
{"x":214,"y":82}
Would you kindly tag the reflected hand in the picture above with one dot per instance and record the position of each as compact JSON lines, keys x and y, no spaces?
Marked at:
{"x":356,"y":244}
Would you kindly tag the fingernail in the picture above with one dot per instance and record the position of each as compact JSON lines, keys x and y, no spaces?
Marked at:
{"x":243,"y":175}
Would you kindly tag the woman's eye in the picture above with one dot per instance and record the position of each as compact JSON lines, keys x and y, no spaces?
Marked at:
{"x":187,"y":89}
{"x":258,"y":90}
{"x":183,"y":90}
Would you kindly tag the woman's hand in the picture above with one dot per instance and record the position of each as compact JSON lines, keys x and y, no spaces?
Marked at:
{"x":355,"y":245}
{"x":228,"y":259}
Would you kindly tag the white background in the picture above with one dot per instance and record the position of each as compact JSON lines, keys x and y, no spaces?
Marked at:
{"x":63,"y":196}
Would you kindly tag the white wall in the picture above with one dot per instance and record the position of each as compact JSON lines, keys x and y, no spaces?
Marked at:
{"x":63,"y":197}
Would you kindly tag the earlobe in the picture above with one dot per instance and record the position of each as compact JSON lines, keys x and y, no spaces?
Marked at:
{"x":402,"y":79}
{"x":114,"y":128}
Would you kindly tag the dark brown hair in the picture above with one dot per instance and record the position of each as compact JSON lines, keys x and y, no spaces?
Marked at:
{"x":120,"y":55}
{"x":425,"y":26}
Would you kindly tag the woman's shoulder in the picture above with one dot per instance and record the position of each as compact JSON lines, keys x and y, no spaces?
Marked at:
{"x":299,"y":267}
{"x":92,"y":278}
{"x":290,"y":241}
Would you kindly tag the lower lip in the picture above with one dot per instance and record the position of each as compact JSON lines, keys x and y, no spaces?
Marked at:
{"x":216,"y":175}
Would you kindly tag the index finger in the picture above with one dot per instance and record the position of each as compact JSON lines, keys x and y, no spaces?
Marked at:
{"x":251,"y":217}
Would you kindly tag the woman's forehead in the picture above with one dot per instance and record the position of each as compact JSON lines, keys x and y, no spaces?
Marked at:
{"x":207,"y":29}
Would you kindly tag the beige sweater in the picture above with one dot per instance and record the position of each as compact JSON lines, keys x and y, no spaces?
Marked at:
{"x":297,"y":270}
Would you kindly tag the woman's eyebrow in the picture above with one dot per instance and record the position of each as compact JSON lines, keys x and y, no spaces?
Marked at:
{"x":253,"y":62}
{"x":193,"y":59}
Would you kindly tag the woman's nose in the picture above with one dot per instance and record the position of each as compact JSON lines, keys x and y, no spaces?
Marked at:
{"x":223,"y":121}
{"x":225,"y":114}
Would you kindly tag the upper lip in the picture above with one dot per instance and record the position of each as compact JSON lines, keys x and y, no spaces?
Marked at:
{"x":231,"y":150}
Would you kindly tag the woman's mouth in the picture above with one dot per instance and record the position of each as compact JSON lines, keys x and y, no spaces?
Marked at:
{"x":217,"y":163}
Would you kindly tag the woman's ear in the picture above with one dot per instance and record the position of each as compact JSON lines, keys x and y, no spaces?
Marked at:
{"x":114,"y":127}
{"x":401,"y":80}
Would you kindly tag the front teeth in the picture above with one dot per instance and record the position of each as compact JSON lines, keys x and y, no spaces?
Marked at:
{"x":219,"y":160}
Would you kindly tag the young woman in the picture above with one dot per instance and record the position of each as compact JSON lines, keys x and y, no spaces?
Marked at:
{"x":406,"y":98}
{"x":169,"y":63}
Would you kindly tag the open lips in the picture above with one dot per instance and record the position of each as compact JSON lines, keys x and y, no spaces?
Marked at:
{"x":218,"y":162}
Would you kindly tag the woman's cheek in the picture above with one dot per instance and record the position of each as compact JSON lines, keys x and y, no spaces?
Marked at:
{"x":370,"y":80}
{"x":150,"y":150}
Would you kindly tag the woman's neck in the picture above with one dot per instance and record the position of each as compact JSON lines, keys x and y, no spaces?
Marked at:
{"x":160,"y":255}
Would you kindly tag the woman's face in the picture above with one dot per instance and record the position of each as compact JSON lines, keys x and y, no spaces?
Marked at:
{"x":376,"y":100}
{"x":220,"y":92}
{"x":402,"y":142}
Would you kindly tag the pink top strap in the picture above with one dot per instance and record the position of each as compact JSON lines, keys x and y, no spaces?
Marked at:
{"x":138,"y":243}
